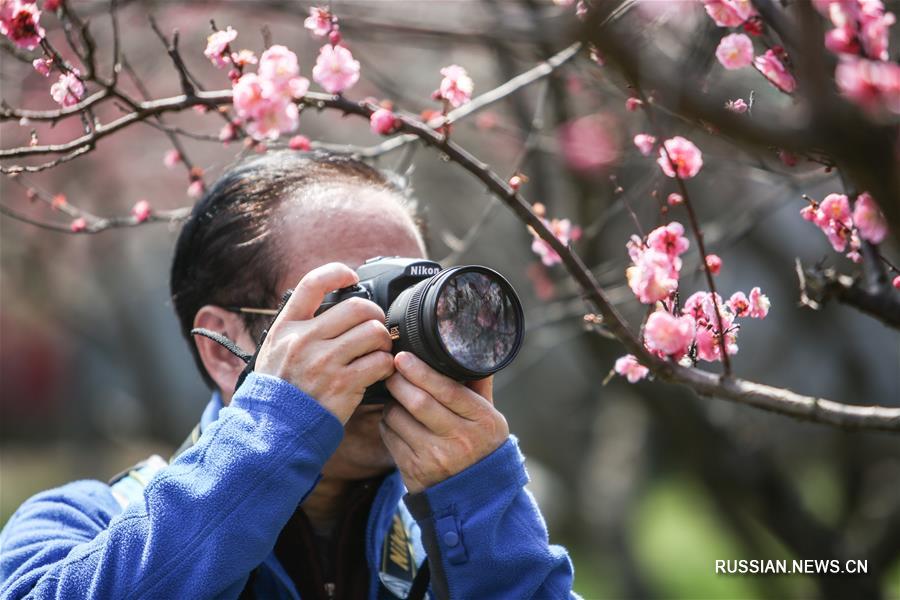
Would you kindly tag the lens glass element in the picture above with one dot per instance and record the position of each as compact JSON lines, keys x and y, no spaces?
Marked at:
{"x":477,"y":320}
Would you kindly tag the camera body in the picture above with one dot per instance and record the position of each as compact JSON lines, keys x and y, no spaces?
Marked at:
{"x":465,"y":322}
{"x":382,"y":279}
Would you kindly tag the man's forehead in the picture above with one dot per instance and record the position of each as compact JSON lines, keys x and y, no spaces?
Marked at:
{"x":345,"y":225}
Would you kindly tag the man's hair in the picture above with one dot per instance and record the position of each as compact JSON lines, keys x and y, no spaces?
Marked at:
{"x":227,"y":252}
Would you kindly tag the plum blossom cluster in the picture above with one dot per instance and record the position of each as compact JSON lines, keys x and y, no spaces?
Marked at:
{"x":20,"y":22}
{"x":456,"y":87}
{"x":656,"y":263}
{"x":564,"y":231}
{"x":860,"y":38}
{"x":845,"y":228}
{"x":693,"y":334}
{"x":266,"y":101}
{"x":694,"y":331}
{"x":735,"y":51}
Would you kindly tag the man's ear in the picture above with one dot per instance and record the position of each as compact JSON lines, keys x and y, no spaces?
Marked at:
{"x":223,"y":366}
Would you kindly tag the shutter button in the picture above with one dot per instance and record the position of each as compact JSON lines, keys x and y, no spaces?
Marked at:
{"x":451,"y":538}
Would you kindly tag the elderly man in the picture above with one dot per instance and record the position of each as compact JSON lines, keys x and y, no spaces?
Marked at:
{"x":290,"y":487}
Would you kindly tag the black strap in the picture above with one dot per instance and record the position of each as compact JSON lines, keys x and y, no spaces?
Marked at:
{"x":420,"y":583}
{"x":224,"y":341}
{"x":249,"y":359}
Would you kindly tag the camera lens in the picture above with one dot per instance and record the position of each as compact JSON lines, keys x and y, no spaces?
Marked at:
{"x":466,"y":322}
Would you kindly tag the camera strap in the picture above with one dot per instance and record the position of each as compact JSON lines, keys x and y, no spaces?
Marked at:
{"x":231,"y":346}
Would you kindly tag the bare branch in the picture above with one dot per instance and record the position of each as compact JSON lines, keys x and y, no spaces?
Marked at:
{"x":187,"y":87}
{"x":818,"y":286}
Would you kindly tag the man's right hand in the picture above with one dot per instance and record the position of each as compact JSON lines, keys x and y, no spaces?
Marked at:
{"x":334,"y":356}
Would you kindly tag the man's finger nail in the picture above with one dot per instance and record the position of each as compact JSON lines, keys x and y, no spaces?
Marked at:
{"x":404,"y":360}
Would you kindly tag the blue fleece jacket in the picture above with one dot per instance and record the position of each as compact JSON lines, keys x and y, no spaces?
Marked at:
{"x":213,"y":515}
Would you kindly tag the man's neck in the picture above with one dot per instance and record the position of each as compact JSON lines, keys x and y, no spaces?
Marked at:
{"x":324,"y":504}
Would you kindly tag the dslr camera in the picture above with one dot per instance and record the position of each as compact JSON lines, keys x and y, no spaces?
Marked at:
{"x":465,"y":322}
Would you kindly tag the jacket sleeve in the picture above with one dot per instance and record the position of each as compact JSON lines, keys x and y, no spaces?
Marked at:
{"x":207,"y":519}
{"x":485,"y":537}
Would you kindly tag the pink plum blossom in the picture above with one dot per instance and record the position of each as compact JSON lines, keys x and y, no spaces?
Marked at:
{"x":708,"y":347}
{"x":19,"y":21}
{"x":243,"y":58}
{"x":319,"y":21}
{"x":669,"y":335}
{"x":896,"y":282}
{"x":759,"y":304}
{"x":735,"y":51}
{"x":628,"y":367}
{"x":171,"y":158}
{"x":267,"y":109}
{"x":683,"y":154}
{"x":669,"y":239}
{"x":217,"y":47}
{"x":774,"y":70}
{"x":675,"y":199}
{"x":42,"y":66}
{"x":383,"y":121}
{"x":273,"y":120}
{"x":335,"y":70}
{"x":299,"y":142}
{"x":834,"y":219}
{"x":737,"y":106}
{"x":227,"y":133}
{"x":278,"y":66}
{"x":653,"y":276}
{"x":456,"y":86}
{"x":51,"y":5}
{"x":68,"y":89}
{"x":874,"y":85}
{"x":564,"y":231}
{"x":633,"y":104}
{"x":196,"y":188}
{"x":644,"y":143}
{"x":729,"y":13}
{"x":78,"y":225}
{"x":713,"y":263}
{"x":869,"y":220}
{"x":141,"y":211}
{"x":589,"y":143}
{"x":739,"y":304}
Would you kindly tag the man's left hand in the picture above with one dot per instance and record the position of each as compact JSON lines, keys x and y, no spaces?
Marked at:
{"x":437,"y":426}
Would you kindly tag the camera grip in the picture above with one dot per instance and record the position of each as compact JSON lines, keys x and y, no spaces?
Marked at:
{"x":332,"y":298}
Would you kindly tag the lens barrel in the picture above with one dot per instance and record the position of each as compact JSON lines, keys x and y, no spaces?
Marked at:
{"x":466,"y":322}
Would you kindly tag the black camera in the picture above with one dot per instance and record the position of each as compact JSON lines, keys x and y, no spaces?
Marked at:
{"x":465,"y":322}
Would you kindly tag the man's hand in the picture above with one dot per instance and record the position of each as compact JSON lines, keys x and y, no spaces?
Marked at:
{"x":437,"y":427}
{"x":332,"y":357}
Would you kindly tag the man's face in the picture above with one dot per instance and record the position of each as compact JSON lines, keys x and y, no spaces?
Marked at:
{"x":348,"y":225}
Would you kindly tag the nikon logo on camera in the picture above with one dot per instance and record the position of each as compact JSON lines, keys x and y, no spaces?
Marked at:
{"x":420,"y":270}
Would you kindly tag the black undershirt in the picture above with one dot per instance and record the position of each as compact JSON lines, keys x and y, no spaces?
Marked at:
{"x":331,"y":566}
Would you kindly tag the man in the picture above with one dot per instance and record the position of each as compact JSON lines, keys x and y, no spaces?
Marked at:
{"x":222,"y":519}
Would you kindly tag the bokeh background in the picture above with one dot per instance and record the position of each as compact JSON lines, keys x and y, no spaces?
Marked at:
{"x":646,"y":484}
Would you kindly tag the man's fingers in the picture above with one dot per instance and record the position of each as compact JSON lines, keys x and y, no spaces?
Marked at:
{"x":405,"y":425}
{"x":313,"y":287}
{"x":448,"y":392}
{"x":366,"y":337}
{"x":345,"y":315}
{"x":373,"y":367}
{"x":422,"y":405}
{"x":396,"y":445}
